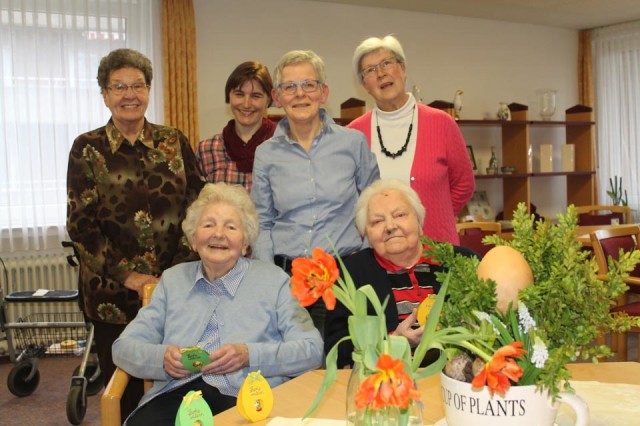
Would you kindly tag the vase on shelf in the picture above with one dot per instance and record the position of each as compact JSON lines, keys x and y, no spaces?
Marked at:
{"x":389,"y":416}
{"x":521,"y":405}
{"x":546,"y":103}
{"x":504,"y":113}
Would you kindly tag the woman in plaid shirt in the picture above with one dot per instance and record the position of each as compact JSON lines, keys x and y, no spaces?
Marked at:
{"x":228,"y":156}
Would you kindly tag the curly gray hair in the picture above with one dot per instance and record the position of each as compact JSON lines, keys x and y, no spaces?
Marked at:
{"x":232,"y":195}
{"x":123,"y":58}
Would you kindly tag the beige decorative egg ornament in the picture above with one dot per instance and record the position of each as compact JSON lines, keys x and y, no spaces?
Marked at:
{"x":511,"y":272}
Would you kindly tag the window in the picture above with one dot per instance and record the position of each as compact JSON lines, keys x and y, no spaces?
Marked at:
{"x":50,"y":52}
{"x":616,"y":65}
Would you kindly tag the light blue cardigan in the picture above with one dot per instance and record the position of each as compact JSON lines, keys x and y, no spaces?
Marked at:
{"x":282,"y":340}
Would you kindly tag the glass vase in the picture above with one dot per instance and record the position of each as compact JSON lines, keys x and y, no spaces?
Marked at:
{"x":546,"y":103}
{"x":390,"y":416}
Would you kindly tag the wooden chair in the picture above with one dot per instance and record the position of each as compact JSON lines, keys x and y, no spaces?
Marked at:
{"x":472,"y":233}
{"x":110,"y":400}
{"x":607,"y":243}
{"x":602,"y":214}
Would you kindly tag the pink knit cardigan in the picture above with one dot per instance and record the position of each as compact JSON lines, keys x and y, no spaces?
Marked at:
{"x":441,"y":173}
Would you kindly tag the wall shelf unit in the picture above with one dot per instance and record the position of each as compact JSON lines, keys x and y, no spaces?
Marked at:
{"x":516,"y":151}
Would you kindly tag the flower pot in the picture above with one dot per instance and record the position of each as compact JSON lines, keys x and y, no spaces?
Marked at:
{"x":521,"y":405}
{"x":389,"y":416}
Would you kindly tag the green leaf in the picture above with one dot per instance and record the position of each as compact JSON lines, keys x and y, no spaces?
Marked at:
{"x":329,"y":376}
{"x":432,"y":369}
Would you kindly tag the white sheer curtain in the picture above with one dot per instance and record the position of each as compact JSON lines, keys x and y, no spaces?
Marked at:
{"x":616,"y":62}
{"x":48,"y":66}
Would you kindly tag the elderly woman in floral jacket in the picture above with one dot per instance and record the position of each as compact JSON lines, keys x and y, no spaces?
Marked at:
{"x":129,"y":185}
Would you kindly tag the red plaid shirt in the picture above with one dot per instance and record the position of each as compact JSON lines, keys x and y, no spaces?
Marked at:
{"x":216,"y":166}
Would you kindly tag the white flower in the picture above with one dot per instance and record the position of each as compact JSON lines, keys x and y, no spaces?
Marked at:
{"x":539,"y":353}
{"x":483,"y":316}
{"x":525,"y":321}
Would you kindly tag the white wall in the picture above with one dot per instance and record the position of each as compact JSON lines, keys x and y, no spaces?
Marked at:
{"x":491,"y":61}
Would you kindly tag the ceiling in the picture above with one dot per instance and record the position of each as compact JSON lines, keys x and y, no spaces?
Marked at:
{"x":570,"y":14}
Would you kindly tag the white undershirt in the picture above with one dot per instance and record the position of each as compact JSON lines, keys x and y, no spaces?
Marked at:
{"x":394,"y":127}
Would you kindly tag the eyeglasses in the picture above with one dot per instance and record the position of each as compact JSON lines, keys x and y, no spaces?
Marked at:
{"x":121,"y":89}
{"x":373,"y":69}
{"x":307,"y":86}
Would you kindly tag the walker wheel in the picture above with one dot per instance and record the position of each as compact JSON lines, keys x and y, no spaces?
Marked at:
{"x":18,"y":382}
{"x":76,"y":405}
{"x":93,"y":388}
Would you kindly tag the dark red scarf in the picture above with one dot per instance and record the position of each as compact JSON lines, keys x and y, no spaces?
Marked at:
{"x":243,"y":153}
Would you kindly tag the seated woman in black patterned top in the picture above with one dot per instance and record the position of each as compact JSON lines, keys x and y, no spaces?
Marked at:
{"x":389,"y":213}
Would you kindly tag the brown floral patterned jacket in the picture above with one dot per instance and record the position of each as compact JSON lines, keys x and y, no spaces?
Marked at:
{"x":125,"y":207}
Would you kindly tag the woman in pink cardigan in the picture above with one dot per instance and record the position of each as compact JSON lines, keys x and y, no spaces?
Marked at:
{"x":417,"y":144}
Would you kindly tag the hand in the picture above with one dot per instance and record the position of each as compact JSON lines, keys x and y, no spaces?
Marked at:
{"x":136,"y":281}
{"x":227,"y":359}
{"x":173,"y":363}
{"x":405,"y":328}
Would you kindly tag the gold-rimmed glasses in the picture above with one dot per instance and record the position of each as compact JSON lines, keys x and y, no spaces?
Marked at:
{"x":121,"y":88}
{"x":382,"y":65}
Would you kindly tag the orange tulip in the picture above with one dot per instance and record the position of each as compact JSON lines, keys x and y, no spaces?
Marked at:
{"x":390,"y":387}
{"x":502,"y":368}
{"x":313,"y":278}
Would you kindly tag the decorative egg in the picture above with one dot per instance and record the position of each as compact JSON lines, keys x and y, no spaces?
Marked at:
{"x":511,"y":272}
{"x":255,"y":399}
{"x":425,"y":308}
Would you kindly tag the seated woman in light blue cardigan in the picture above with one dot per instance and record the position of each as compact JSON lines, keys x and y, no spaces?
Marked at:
{"x":238,"y":310}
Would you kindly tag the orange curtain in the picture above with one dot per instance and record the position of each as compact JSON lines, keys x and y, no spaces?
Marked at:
{"x":585,"y":76}
{"x":585,"y":85}
{"x":179,"y":54}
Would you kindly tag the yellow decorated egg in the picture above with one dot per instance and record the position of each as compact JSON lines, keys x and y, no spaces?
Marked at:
{"x":425,"y":308}
{"x":511,"y":272}
{"x":255,"y":399}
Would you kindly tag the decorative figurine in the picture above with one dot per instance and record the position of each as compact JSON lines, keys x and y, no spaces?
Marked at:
{"x":493,"y":163}
{"x":457,"y":104}
{"x":504,"y":113}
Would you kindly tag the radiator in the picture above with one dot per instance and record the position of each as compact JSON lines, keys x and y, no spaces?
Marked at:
{"x":42,"y":271}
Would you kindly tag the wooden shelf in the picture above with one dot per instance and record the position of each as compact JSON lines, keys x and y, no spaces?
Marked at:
{"x":516,"y":187}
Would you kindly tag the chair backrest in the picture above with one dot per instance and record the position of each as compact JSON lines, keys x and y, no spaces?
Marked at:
{"x":147,"y":291}
{"x":608,"y":242}
{"x":602,"y":214}
{"x":472,"y":233}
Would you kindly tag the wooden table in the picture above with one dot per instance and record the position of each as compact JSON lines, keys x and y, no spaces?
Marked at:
{"x":582,"y":233}
{"x":293,"y":398}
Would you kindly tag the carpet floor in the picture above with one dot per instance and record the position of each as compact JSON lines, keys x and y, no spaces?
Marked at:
{"x":47,"y":404}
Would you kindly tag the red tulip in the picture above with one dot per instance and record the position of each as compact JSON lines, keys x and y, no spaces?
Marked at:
{"x":502,"y":368}
{"x":313,"y":278}
{"x":390,"y":387}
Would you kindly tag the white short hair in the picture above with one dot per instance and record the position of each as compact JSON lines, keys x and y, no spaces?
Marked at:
{"x":300,"y":57}
{"x":362,"y":205}
{"x":373,"y":44}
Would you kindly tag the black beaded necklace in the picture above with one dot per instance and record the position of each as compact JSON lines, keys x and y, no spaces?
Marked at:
{"x":384,"y":150}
